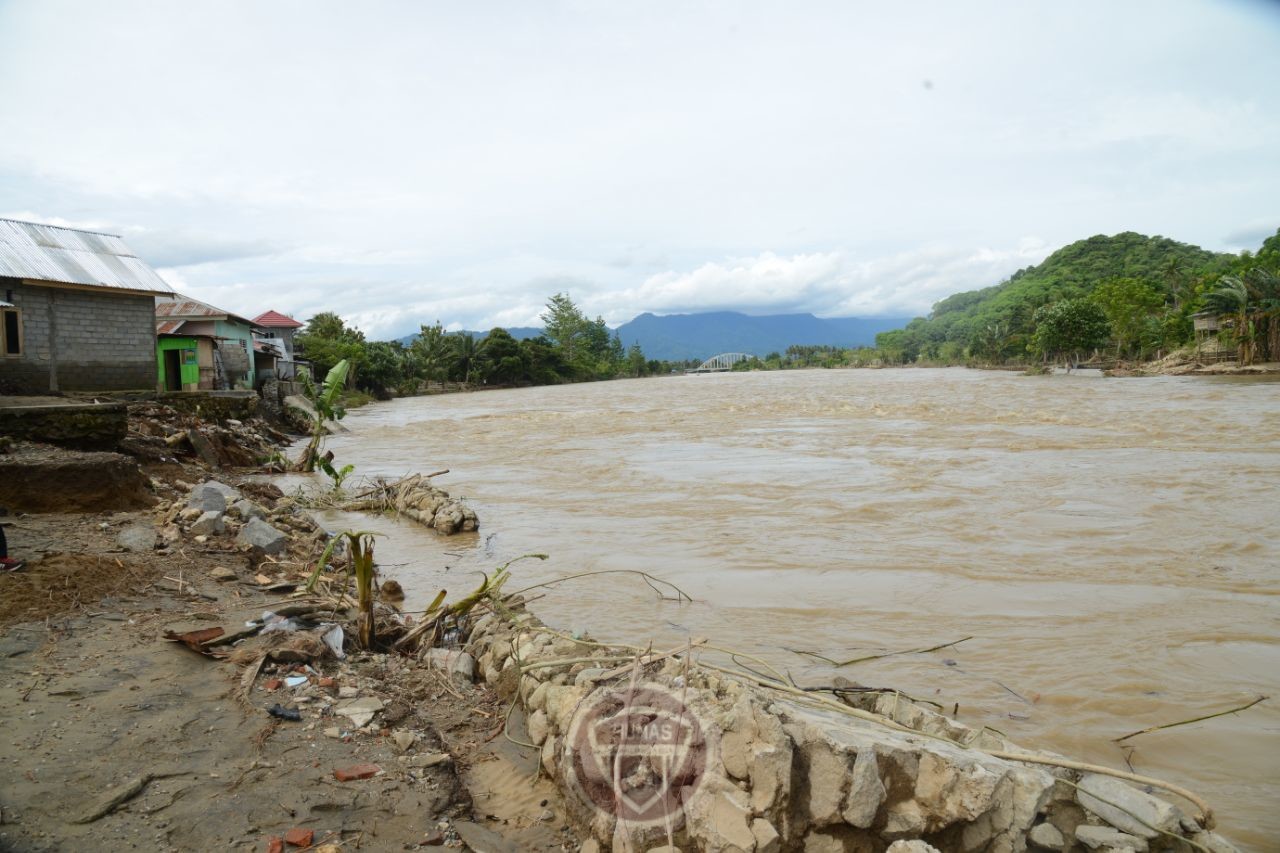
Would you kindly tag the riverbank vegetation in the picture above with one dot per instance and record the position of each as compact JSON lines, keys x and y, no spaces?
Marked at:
{"x":573,"y":348}
{"x":1123,"y":298}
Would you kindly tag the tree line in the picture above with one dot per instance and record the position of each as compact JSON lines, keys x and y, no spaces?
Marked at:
{"x":572,"y":348}
{"x":1126,"y":297}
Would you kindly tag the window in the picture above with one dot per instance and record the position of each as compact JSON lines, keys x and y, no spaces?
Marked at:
{"x":11,"y":332}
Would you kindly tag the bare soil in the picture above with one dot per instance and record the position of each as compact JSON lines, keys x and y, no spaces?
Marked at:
{"x":98,"y":707}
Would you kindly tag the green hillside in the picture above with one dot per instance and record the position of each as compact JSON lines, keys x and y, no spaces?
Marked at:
{"x":996,"y":323}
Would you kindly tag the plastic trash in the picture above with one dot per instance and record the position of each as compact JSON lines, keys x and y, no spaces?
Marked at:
{"x":285,"y":713}
{"x":333,"y":638}
{"x":272,"y":622}
{"x":295,"y":680}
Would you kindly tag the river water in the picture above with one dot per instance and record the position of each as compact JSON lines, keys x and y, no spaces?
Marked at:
{"x":1109,"y":544}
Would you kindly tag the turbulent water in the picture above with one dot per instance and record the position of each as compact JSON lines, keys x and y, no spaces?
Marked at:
{"x":1109,"y":544}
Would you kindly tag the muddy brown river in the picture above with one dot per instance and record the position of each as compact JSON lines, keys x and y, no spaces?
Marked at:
{"x":1110,"y":544}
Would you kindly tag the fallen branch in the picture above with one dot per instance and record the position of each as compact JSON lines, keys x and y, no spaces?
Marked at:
{"x":839,"y":664}
{"x":649,"y":579}
{"x":121,"y":795}
{"x":1194,"y":720}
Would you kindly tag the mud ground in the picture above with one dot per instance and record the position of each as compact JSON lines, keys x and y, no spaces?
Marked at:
{"x":94,"y":701}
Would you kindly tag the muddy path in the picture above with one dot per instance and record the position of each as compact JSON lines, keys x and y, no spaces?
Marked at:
{"x":115,"y":739}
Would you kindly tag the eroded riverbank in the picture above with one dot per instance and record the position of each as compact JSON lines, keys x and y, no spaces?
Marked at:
{"x":1107,"y":544}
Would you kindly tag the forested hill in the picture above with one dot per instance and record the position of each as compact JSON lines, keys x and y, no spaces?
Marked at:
{"x":1002,"y":314}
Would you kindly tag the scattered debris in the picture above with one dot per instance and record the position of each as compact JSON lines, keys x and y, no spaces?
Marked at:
{"x":356,"y":772}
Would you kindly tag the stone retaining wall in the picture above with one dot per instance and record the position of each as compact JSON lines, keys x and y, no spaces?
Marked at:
{"x":219,"y":406}
{"x":84,"y":426}
{"x":787,"y":772}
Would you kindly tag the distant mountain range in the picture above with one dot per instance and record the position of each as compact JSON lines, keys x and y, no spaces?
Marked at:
{"x":676,"y":337}
{"x":698,"y":336}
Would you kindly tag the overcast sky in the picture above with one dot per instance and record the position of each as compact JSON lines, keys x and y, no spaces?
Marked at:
{"x":405,"y":162}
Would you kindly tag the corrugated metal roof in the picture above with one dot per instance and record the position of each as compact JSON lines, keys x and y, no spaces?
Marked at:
{"x":192,"y":309}
{"x":68,"y":256}
{"x":4,"y":304}
{"x":169,"y":327}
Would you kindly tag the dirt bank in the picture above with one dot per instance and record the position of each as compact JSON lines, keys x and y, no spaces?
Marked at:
{"x":119,"y":739}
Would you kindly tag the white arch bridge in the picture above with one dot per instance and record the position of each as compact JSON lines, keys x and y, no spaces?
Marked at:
{"x":721,"y":363}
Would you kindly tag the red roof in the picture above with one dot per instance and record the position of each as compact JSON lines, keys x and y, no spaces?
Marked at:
{"x":276,"y":320}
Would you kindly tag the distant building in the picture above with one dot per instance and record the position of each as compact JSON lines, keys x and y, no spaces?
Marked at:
{"x":77,"y":311}
{"x":200,"y":345}
{"x":276,"y":334}
{"x":277,"y":325}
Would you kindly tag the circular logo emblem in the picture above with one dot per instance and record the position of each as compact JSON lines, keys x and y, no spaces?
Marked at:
{"x":636,"y":752}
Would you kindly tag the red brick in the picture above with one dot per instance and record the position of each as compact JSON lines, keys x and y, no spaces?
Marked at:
{"x":275,"y":844}
{"x":298,"y":837}
{"x":356,"y":771}
{"x":273,"y":684}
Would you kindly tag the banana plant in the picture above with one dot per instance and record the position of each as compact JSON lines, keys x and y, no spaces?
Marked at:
{"x":326,"y":400}
{"x":361,"y":544}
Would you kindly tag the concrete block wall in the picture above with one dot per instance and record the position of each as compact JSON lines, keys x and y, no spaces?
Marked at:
{"x":104,"y":340}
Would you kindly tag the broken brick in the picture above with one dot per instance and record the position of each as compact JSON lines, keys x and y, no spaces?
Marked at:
{"x":272,"y":684}
{"x":299,"y":837}
{"x":275,"y":844}
{"x":356,"y":771}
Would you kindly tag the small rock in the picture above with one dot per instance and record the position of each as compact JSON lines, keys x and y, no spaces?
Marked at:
{"x":547,"y":815}
{"x":138,"y":538}
{"x":589,"y":676}
{"x":208,"y":524}
{"x":458,"y":664}
{"x":247,"y":509}
{"x":347,"y":691}
{"x":206,"y":498}
{"x":1097,"y":792}
{"x":429,"y":759}
{"x":434,"y":838}
{"x":916,"y":846}
{"x":1046,"y":835}
{"x":767,"y":839}
{"x":222,"y":573}
{"x":333,"y":732}
{"x":590,"y":846}
{"x":538,"y":726}
{"x":359,"y":711}
{"x":1095,"y":837}
{"x":262,"y":535}
{"x":866,"y":791}
{"x":404,"y":740}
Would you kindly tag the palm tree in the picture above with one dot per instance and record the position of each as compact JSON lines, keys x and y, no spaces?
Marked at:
{"x":1253,"y":301}
{"x":467,"y":355}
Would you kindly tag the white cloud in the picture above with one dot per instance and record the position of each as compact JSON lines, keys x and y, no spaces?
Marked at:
{"x":419,"y":161}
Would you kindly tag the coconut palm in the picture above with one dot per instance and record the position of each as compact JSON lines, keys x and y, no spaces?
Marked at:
{"x":1253,"y":302}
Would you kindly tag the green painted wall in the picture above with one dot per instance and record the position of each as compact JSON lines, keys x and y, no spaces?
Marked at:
{"x":190,"y":369}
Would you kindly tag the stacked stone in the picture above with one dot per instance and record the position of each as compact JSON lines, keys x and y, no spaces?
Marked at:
{"x":789,"y":775}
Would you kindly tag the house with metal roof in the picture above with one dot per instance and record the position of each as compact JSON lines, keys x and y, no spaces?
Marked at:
{"x":200,"y":347}
{"x":77,"y":311}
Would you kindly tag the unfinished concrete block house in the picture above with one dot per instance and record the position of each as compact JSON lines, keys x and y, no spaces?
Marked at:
{"x":78,"y":311}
